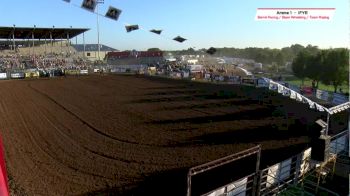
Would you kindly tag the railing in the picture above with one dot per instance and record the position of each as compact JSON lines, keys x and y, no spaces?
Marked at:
{"x":243,"y":186}
{"x":339,"y":143}
{"x":278,"y":177}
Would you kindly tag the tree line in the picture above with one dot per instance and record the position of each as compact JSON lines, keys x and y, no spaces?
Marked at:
{"x":331,"y":66}
{"x":267,"y":56}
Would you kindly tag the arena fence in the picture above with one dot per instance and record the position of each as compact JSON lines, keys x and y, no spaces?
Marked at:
{"x":277,"y":178}
{"x":242,"y":186}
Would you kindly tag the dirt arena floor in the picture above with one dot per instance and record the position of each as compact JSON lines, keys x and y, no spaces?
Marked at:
{"x":130,"y":135}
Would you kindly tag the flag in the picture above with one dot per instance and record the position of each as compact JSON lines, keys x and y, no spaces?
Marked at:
{"x":305,"y":100}
{"x":156,"y":31}
{"x":272,"y":86}
{"x":319,"y":107}
{"x":299,"y":97}
{"x":130,"y":28}
{"x":179,"y":39}
{"x":293,"y":94}
{"x":286,"y":92}
{"x":280,"y":88}
{"x":89,"y":5}
{"x":311,"y":104}
{"x":113,"y":13}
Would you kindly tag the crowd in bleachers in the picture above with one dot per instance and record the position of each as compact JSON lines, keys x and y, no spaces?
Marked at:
{"x":16,"y":62}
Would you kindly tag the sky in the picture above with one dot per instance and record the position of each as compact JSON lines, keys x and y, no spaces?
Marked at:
{"x":205,"y":23}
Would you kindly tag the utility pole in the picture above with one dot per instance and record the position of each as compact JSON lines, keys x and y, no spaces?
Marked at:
{"x":98,"y":28}
{"x":13,"y":38}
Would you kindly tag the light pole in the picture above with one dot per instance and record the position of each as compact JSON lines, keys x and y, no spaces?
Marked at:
{"x":33,"y":39}
{"x":98,"y":28}
{"x":13,"y":38}
{"x":53,"y":28}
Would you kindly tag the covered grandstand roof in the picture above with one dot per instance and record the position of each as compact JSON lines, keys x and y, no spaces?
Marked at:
{"x":39,"y":33}
{"x":92,"y":47}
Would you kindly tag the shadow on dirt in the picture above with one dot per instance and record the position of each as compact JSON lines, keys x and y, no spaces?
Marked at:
{"x":258,"y":113}
{"x":174,"y":182}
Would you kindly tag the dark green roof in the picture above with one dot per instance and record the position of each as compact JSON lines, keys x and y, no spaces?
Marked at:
{"x":39,"y":33}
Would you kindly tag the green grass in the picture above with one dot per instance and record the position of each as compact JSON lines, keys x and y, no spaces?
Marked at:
{"x":321,"y":86}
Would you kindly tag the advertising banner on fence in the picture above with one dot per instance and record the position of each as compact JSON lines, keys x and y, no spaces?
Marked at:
{"x":263,"y":82}
{"x":84,"y":71}
{"x":3,"y":76}
{"x":323,"y":95}
{"x":339,"y":99}
{"x":249,"y":81}
{"x":17,"y":75}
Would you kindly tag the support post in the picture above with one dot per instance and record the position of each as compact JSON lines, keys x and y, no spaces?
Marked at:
{"x":256,"y":182}
{"x":33,"y":45}
{"x":45,"y":45}
{"x":68,"y":44}
{"x":84,"y":43}
{"x":328,"y":116}
{"x":189,"y":183}
{"x":51,"y":42}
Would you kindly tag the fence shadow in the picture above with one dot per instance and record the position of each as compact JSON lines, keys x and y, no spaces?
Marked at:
{"x":170,"y":183}
{"x":250,"y":135}
{"x":255,"y":114}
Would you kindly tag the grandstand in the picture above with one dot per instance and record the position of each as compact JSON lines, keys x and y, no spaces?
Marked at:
{"x":135,"y":57}
{"x":50,"y":40}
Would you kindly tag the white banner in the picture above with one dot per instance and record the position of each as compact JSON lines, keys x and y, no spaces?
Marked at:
{"x":3,"y":76}
{"x":17,"y":75}
{"x":294,"y":14}
{"x":84,"y":71}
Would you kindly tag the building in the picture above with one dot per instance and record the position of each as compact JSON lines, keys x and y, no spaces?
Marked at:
{"x":135,"y":58}
{"x":90,"y":51}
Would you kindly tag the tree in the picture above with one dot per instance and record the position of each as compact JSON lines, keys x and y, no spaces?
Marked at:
{"x":314,"y":67}
{"x":313,"y":50}
{"x":335,"y":65}
{"x":279,"y":59}
{"x":299,"y":65}
{"x":296,"y":49}
{"x":153,"y":50}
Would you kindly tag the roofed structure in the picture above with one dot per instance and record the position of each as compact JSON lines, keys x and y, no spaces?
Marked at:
{"x":39,"y":33}
{"x":92,"y":48}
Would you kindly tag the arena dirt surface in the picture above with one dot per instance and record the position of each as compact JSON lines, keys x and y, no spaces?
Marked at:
{"x":131,"y":135}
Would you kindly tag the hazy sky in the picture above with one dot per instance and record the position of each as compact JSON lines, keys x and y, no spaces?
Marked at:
{"x":205,"y":23}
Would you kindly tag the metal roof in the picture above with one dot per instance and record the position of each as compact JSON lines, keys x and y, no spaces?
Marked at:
{"x":92,"y":47}
{"x":39,"y":33}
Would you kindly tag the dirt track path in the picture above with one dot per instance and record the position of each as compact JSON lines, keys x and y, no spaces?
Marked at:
{"x":79,"y":135}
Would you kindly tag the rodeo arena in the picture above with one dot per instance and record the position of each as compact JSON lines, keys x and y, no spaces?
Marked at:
{"x":87,"y":119}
